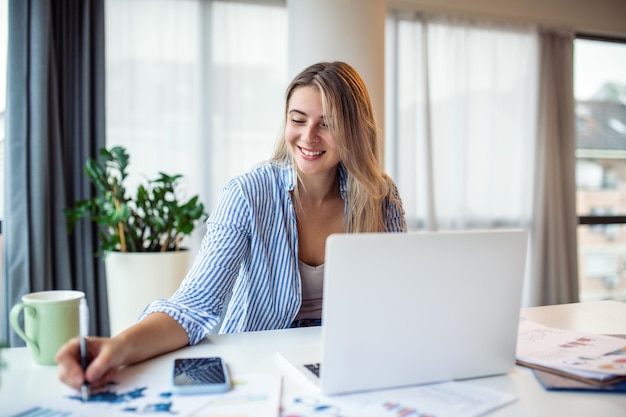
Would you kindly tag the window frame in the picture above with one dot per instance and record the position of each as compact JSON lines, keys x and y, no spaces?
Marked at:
{"x":600,"y":220}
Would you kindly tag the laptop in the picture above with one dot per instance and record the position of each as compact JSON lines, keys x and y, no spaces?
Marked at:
{"x":403,"y":309}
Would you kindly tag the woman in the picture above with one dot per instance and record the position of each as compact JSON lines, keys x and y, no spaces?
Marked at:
{"x":265,"y":240}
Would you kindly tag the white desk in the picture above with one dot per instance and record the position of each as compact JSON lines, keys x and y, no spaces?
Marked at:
{"x":22,"y":380}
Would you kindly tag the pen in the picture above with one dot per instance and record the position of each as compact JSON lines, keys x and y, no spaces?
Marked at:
{"x":84,"y":329}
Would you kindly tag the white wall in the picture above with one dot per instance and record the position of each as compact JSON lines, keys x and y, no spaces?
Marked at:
{"x":341,"y":41}
{"x":599,"y":17}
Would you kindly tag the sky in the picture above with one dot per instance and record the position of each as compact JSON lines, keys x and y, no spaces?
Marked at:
{"x":596,"y":63}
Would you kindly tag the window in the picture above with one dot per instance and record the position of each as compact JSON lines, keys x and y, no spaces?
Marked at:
{"x":195,"y":87}
{"x":4,"y":23}
{"x":600,"y":92}
{"x":461,"y":151}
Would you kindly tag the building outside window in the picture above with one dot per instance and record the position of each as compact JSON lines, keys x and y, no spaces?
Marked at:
{"x":600,"y":90}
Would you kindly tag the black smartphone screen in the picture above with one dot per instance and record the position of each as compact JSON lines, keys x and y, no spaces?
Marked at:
{"x":199,"y":371}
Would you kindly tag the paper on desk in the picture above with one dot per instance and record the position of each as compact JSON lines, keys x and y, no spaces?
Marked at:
{"x":131,"y":393}
{"x":253,"y":395}
{"x":145,"y":394}
{"x":446,"y":399}
{"x":585,"y":354}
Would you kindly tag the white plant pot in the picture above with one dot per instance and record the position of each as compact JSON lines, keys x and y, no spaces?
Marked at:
{"x":135,"y":279}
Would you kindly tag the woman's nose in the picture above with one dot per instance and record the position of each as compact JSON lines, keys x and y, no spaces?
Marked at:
{"x":310,"y":134}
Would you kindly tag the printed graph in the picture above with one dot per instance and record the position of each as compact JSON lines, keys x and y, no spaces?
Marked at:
{"x":399,"y":410}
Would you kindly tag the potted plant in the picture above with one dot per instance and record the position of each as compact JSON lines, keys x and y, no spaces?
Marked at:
{"x":140,"y":235}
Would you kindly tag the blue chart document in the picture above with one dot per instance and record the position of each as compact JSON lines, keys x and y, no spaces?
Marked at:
{"x":131,"y":394}
{"x":554,"y":382}
{"x":134,"y":392}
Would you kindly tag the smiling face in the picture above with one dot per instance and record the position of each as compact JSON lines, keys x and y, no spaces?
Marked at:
{"x":308,"y":136}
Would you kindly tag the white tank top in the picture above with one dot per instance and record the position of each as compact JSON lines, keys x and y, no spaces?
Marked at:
{"x":312,"y":281}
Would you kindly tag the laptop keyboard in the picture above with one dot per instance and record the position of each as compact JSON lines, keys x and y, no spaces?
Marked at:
{"x":314,"y":367}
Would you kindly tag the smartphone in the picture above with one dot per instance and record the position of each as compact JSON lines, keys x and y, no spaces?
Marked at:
{"x":200,"y":376}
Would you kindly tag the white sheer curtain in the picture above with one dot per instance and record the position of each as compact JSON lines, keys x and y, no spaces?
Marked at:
{"x":467,"y":97}
{"x":195,"y":87}
{"x":462,"y":148}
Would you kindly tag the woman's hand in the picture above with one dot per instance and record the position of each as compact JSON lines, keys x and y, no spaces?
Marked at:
{"x":106,"y":357}
{"x":156,"y":334}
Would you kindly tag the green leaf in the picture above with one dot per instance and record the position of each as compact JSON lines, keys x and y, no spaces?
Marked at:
{"x":154,"y":220}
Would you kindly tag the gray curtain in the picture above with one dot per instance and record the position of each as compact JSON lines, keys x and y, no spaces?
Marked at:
{"x":55,"y":120}
{"x":555,"y":242}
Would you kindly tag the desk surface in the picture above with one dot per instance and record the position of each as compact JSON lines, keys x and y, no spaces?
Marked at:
{"x":22,"y":380}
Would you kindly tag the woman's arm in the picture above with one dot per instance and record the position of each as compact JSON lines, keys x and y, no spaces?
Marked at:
{"x":156,"y":334}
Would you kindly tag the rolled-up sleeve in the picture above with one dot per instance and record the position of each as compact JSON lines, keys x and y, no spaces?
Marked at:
{"x":248,"y":256}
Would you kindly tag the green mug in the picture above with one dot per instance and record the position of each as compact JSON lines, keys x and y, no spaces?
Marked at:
{"x":51,"y":318}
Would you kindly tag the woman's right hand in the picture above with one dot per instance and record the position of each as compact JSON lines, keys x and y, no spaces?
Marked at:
{"x":156,"y":334}
{"x":105,"y":355}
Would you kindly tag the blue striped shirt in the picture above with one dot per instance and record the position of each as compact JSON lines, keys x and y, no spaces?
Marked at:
{"x":250,"y":250}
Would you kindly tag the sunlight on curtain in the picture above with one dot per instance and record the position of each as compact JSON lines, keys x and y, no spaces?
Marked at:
{"x":195,"y":87}
{"x":248,"y":79}
{"x":480,"y":110}
{"x":153,"y":85}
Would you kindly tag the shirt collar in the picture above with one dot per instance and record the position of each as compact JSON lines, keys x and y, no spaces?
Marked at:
{"x":289,"y":178}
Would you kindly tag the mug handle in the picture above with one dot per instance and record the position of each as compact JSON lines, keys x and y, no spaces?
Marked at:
{"x":14,"y":318}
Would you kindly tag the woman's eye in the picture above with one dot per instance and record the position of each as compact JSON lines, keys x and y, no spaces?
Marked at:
{"x":297,"y":121}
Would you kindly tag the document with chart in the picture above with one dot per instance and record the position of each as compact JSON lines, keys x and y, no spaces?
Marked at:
{"x":147,"y":394}
{"x":577,"y":354}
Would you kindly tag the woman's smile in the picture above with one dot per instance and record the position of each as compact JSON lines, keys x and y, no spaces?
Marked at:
{"x":310,"y":154}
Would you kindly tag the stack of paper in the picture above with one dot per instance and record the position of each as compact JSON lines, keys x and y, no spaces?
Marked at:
{"x":592,"y":358}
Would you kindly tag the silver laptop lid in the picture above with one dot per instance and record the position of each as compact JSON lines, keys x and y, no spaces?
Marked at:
{"x":419,"y":307}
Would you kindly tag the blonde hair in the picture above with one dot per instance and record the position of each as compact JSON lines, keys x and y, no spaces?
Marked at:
{"x":349,"y":115}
